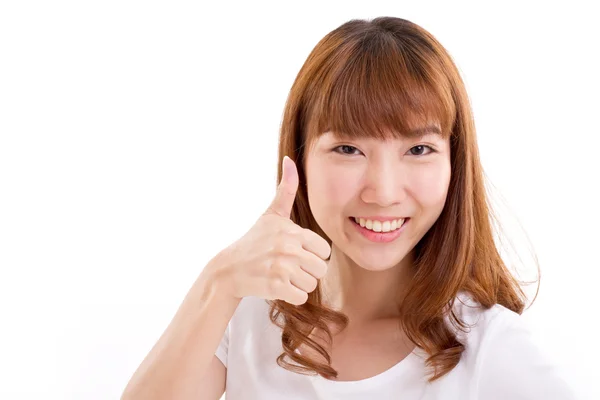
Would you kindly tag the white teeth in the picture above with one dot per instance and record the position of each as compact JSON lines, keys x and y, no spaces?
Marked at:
{"x":378,"y":226}
{"x":386,"y":226}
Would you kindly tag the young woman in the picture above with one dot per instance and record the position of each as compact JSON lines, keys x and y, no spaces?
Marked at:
{"x":374,"y":272}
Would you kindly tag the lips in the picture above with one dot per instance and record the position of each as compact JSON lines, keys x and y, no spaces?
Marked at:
{"x":380,"y":237}
{"x":380,"y":225}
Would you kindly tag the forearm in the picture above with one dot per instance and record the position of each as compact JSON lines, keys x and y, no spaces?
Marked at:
{"x":174,"y":367}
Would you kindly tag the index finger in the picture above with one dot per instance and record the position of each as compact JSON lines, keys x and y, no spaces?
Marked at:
{"x":315,"y":244}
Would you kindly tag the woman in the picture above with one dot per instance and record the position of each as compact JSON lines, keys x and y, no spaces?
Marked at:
{"x":374,"y":272}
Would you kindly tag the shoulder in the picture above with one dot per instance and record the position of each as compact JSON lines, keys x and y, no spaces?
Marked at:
{"x":480,"y":322}
{"x":502,"y":356}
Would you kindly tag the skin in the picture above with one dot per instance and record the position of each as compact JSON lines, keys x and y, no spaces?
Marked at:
{"x":374,"y":177}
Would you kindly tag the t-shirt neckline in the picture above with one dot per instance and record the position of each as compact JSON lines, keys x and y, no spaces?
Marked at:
{"x":411,"y":361}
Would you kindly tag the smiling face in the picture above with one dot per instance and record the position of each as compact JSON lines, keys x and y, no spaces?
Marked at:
{"x":405,"y":177}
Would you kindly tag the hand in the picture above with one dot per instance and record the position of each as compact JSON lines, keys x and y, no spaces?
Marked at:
{"x":275,"y":259}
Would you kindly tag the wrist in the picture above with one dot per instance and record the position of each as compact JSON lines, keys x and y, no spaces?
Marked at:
{"x":217,"y":279}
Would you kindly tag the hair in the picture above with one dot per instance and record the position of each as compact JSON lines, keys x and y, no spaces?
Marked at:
{"x":377,"y":78}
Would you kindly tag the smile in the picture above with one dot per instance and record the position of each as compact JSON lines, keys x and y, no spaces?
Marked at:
{"x":368,"y":229}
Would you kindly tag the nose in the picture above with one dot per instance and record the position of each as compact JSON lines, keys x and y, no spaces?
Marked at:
{"x":385,"y":183}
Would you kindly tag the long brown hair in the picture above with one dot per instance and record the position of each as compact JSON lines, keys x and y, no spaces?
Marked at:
{"x":378,"y":78}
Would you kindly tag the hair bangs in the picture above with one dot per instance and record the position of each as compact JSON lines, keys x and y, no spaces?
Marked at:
{"x":379,"y":93}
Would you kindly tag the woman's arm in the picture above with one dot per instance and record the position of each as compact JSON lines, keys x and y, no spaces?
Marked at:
{"x":182,"y":364}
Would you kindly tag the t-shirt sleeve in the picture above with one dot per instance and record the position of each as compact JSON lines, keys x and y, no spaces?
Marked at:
{"x":223,"y":348}
{"x":513,"y":367}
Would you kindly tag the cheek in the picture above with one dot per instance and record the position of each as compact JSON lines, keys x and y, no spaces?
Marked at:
{"x":431,"y":186}
{"x":334,"y":187}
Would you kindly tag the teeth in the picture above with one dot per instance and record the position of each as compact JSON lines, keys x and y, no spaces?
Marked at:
{"x":378,"y":226}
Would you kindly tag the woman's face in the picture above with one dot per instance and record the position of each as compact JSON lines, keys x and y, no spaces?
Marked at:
{"x":399,"y":178}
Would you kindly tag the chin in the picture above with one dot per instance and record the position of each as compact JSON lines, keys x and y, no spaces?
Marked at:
{"x":377,"y":264}
{"x":373,"y":268}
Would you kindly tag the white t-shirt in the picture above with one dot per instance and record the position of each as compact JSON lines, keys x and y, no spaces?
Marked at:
{"x":500,"y":362}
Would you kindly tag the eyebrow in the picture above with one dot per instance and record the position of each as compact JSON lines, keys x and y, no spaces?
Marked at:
{"x":419,"y":132}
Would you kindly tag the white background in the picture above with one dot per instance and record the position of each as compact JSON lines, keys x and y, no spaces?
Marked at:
{"x":138,"y":138}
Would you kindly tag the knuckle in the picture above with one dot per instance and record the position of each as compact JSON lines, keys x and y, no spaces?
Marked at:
{"x":292,"y":230}
{"x":278,"y":243}
{"x":307,"y":233}
{"x":278,"y":264}
{"x":284,"y":246}
{"x":273,"y":286}
{"x":286,"y":227}
{"x":279,"y":272}
{"x":289,"y":248}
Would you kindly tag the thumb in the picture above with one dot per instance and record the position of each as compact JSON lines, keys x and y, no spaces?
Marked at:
{"x":286,"y":191}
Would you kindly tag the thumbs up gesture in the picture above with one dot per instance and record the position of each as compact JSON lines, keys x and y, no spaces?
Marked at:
{"x":275,"y":259}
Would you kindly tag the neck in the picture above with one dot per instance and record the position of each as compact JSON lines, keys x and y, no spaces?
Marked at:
{"x":365,"y":296}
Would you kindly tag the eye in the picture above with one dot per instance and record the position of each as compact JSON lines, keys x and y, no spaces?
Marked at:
{"x":415,"y":151}
{"x":345,"y":149}
{"x":419,"y":149}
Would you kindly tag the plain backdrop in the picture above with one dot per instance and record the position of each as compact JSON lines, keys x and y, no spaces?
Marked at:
{"x":138,"y":138}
